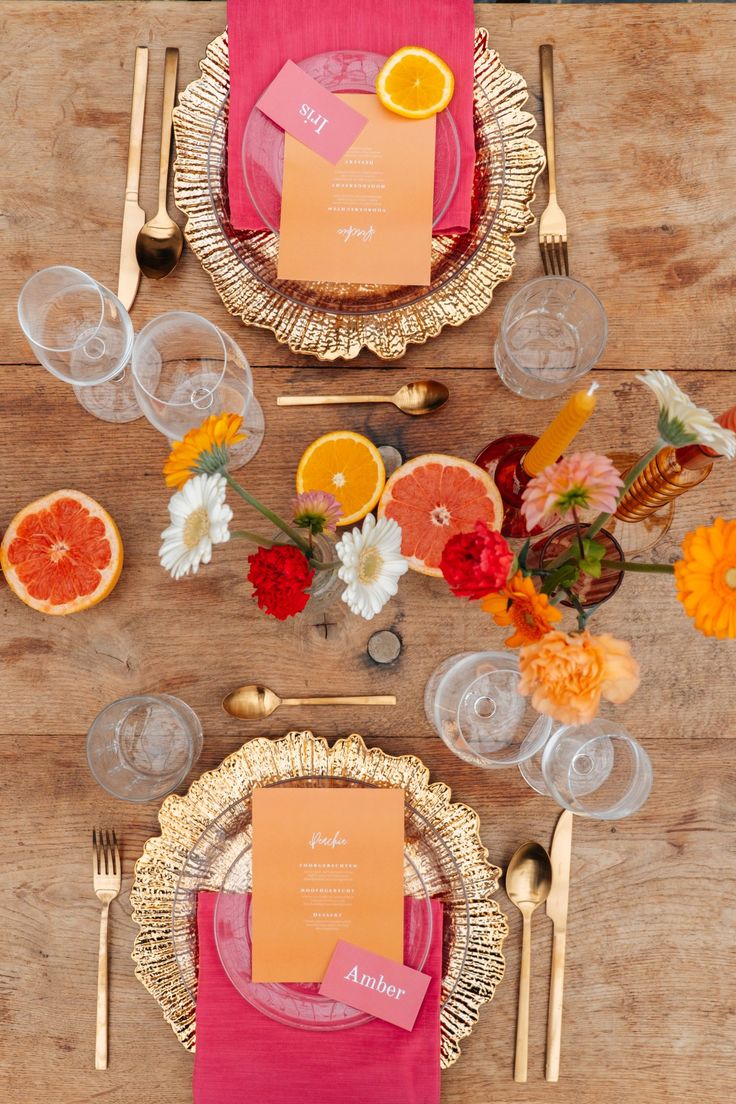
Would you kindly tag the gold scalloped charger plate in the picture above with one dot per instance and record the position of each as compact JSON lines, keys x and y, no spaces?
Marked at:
{"x":332,"y":321}
{"x":475,"y":926}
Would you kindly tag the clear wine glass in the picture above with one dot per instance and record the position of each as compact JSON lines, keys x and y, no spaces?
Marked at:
{"x":553,"y":331}
{"x":596,"y":770}
{"x":81,"y":333}
{"x":185,"y":369}
{"x":142,"y":747}
{"x":473,"y":701}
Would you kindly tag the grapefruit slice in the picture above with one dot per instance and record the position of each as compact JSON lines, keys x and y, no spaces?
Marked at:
{"x":62,"y":553}
{"x":432,"y":498}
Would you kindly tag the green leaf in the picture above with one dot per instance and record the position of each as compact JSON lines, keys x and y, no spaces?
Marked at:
{"x":522,"y":555}
{"x":591,"y":567}
{"x":594,"y":551}
{"x":563,"y":577}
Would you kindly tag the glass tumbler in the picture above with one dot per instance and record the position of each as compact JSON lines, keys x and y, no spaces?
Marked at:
{"x":596,"y":770}
{"x":185,"y":369}
{"x":81,"y":333}
{"x":553,"y":331}
{"x":142,"y":747}
{"x":473,"y":701}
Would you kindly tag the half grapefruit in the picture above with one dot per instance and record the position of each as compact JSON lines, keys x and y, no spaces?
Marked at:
{"x":62,"y":553}
{"x":432,"y":498}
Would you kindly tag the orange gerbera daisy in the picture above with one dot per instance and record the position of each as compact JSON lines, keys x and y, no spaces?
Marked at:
{"x":520,"y":604}
{"x":204,"y":449}
{"x":706,"y":578}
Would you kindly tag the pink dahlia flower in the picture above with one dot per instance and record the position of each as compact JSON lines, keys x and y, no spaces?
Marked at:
{"x":582,"y":481}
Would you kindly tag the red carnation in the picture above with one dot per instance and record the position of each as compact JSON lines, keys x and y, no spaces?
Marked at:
{"x":280,"y":577}
{"x":475,"y":564}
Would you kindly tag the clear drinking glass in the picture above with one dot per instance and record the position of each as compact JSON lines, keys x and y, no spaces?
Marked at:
{"x":83,"y":335}
{"x":142,"y":747}
{"x":553,"y":331}
{"x":473,"y":701}
{"x":185,"y":369}
{"x":596,"y":770}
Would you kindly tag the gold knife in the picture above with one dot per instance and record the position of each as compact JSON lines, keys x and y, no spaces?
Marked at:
{"x":557,"y":911}
{"x":133,"y":215}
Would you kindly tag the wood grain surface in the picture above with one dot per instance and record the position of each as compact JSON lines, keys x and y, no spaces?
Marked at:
{"x":646,"y":138}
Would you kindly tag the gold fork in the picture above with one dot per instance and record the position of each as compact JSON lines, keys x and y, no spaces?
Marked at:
{"x":553,"y":224}
{"x":106,"y":879}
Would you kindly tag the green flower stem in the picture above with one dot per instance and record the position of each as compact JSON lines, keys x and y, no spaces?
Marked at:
{"x":330,"y":566}
{"x":644,"y":568}
{"x":254,"y":538}
{"x":272,"y":517}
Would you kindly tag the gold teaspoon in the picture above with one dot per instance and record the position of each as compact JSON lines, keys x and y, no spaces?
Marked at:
{"x":528,"y":882}
{"x":160,"y":242}
{"x":422,"y":397}
{"x":253,"y":703}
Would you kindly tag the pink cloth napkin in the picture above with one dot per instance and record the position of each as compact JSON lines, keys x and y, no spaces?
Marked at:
{"x":263,"y":34}
{"x":243,"y":1057}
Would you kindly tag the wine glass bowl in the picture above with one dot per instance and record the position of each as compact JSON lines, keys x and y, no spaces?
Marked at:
{"x":186,"y":369}
{"x":81,"y":333}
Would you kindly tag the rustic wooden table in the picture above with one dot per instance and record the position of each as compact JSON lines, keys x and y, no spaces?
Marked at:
{"x":647,"y":143}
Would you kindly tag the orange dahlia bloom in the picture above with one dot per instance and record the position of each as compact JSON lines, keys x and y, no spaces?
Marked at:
{"x":520,"y":604}
{"x":706,"y":578}
{"x":567,"y":676}
{"x":203,"y":449}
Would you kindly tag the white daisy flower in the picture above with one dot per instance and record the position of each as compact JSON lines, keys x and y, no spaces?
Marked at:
{"x":199,"y":518}
{"x":681,"y":422}
{"x":372,"y":565}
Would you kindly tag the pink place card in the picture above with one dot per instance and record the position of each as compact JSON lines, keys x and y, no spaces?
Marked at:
{"x":374,"y":984}
{"x":310,"y":113}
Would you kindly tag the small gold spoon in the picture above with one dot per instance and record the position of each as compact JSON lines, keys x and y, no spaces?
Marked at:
{"x":422,"y":397}
{"x":528,"y":882}
{"x":253,"y":703}
{"x":160,"y":242}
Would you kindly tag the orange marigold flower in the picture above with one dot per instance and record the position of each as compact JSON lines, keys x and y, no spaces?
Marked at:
{"x":521,"y":605}
{"x":567,"y":676}
{"x":204,"y":449}
{"x":706,"y":578}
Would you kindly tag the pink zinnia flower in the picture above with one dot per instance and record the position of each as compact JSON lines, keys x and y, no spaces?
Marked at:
{"x":583,"y":481}
{"x":317,"y":511}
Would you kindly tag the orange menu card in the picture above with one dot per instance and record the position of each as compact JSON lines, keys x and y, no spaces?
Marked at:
{"x":328,"y":864}
{"x":367,"y":219}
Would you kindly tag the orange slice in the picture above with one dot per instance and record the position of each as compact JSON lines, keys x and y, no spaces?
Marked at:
{"x":415,"y":83}
{"x":62,"y":554}
{"x":433,"y":497}
{"x":347,"y":466}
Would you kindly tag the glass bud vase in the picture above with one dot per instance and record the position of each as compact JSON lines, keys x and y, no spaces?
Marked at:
{"x":588,"y":590}
{"x":324,"y":620}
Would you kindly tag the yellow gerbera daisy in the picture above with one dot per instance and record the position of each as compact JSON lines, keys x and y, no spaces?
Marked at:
{"x":706,"y":578}
{"x":204,"y":449}
{"x":521,"y":605}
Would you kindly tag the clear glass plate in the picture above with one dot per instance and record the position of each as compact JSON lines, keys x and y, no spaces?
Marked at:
{"x":256,"y":251}
{"x":220,"y":861}
{"x":262,"y":153}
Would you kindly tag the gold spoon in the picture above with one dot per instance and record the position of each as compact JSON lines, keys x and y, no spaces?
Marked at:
{"x":253,"y":703}
{"x":422,"y":397}
{"x":160,"y":242}
{"x":528,"y":882}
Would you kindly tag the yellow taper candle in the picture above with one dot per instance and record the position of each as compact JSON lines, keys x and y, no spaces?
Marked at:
{"x":561,"y":430}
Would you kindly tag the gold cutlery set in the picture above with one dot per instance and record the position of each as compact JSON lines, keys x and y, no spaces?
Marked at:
{"x":532,"y":878}
{"x":152,"y":247}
